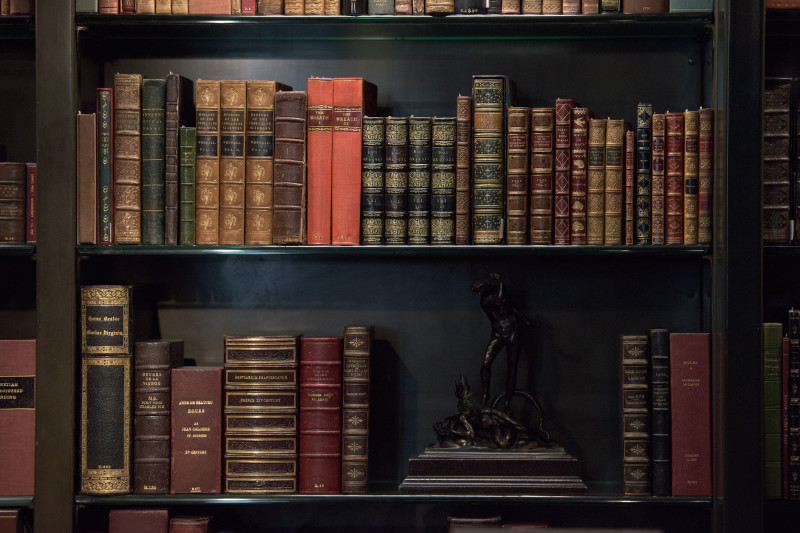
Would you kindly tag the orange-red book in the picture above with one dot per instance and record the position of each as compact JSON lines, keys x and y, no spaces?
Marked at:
{"x":320,"y":109}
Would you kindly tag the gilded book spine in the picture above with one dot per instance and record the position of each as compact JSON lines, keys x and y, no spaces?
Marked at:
{"x":154,"y":99}
{"x":636,"y":415}
{"x":776,"y":151}
{"x":531,"y":7}
{"x":443,"y":181}
{"x":372,"y":180}
{"x":488,"y":154}
{"x":127,"y":159}
{"x":571,"y":7}
{"x":179,"y":112}
{"x":691,"y":175}
{"x":419,"y":180}
{"x":517,"y":165}
{"x":289,"y":224}
{"x":630,"y":176}
{"x":596,"y":182}
{"x":207,"y":162}
{"x":542,"y":170}
{"x":12,"y":203}
{"x":180,"y":7}
{"x":440,"y":7}
{"x":187,"y":190}
{"x":673,"y":196}
{"x":644,"y":188}
{"x":463,"y":168}
{"x":615,"y":182}
{"x":396,"y":198}
{"x":659,"y":176}
{"x":231,"y":161}
{"x":510,"y":7}
{"x":105,"y":165}
{"x":706,"y":174}
{"x":563,"y":145}
{"x":578,"y":175}
{"x":314,"y":7}
{"x":551,"y":7}
{"x":355,"y":408}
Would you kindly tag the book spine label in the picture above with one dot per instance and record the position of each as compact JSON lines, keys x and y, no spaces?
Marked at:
{"x":419,"y":180}
{"x":596,"y":182}
{"x":563,"y":158}
{"x":488,"y":158}
{"x":691,"y":176}
{"x":127,"y":159}
{"x":106,"y":320}
{"x":463,"y":168}
{"x":644,"y":132}
{"x":542,"y":172}
{"x":636,"y":465}
{"x":320,"y":111}
{"x":517,"y":174}
{"x":658,"y":176}
{"x":105,"y":165}
{"x":706,"y":176}
{"x":232,"y":162}
{"x":355,"y":408}
{"x":396,"y":181}
{"x":372,"y":180}
{"x":443,"y":181}
{"x":207,"y":162}
{"x":289,"y":224}
{"x":615,"y":182}
{"x":187,"y":190}
{"x":673,"y":195}
{"x":154,"y":94}
{"x":17,"y":416}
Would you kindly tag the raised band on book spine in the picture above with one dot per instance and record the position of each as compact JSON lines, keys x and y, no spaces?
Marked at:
{"x":207,"y":162}
{"x":127,"y":159}
{"x":644,"y":188}
{"x":660,"y":412}
{"x":396,"y":180}
{"x":673,"y":195}
{"x":232,"y":161}
{"x":443,"y":181}
{"x":372,"y":180}
{"x":706,"y":175}
{"x":563,"y":158}
{"x":154,"y":100}
{"x":596,"y":182}
{"x":105,"y":165}
{"x":187,"y":191}
{"x":777,"y":175}
{"x":463,"y":169}
{"x":289,"y":218}
{"x":615,"y":182}
{"x":691,"y":176}
{"x":355,"y":408}
{"x":636,"y":465}
{"x":542,"y":171}
{"x":658,"y":178}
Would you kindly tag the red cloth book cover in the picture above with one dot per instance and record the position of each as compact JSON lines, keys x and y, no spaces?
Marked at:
{"x":320,"y":109}
{"x":138,"y":521}
{"x":17,"y":416}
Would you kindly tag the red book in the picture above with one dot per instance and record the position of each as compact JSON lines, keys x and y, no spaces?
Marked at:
{"x":658,"y":169}
{"x":190,"y":524}
{"x":320,"y":435}
{"x":17,"y":416}
{"x":138,"y":521}
{"x":673,"y":222}
{"x":108,"y":7}
{"x":248,"y":7}
{"x":706,"y":175}
{"x":690,"y":396}
{"x":11,"y":521}
{"x":563,"y":144}
{"x":196,"y":465}
{"x":352,"y":99}
{"x":320,"y":108}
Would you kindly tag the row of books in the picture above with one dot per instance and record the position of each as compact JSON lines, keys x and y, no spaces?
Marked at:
{"x":17,"y":203}
{"x":781,"y":405}
{"x":666,"y":414}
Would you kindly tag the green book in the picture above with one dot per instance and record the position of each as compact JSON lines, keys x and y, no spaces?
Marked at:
{"x":690,"y":6}
{"x":772,"y":359}
{"x":186,"y":174}
{"x":105,"y":164}
{"x":154,"y":100}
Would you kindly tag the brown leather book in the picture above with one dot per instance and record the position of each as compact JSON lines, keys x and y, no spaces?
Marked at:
{"x":531,"y":7}
{"x":596,"y":182}
{"x":440,"y":7}
{"x":463,"y":166}
{"x":630,"y":176}
{"x":776,"y":154}
{"x":510,"y":7}
{"x":180,"y":7}
{"x":164,"y":7}
{"x":706,"y":173}
{"x":570,"y":7}
{"x":395,"y":227}
{"x":145,"y":7}
{"x":589,"y":7}
{"x":615,"y":182}
{"x":294,"y":7}
{"x":673,"y":181}
{"x":691,"y":175}
{"x":636,"y":465}
{"x":21,"y":7}
{"x":269,"y":7}
{"x":644,"y":187}
{"x":127,"y":159}
{"x":196,"y":464}
{"x":179,"y":112}
{"x":578,"y":175}
{"x":209,"y":7}
{"x":542,"y":172}
{"x":403,"y":7}
{"x":289,"y":218}
{"x":645,"y":6}
{"x":200,"y":524}
{"x":12,"y":203}
{"x":782,"y":4}
{"x":207,"y":111}
{"x":658,"y":170}
{"x":138,"y":521}
{"x":232,"y":95}
{"x":127,"y":6}
{"x":105,"y":165}
{"x":561,"y":187}
{"x":517,"y":174}
{"x":551,"y":7}
{"x":17,"y":416}
{"x":443,"y":180}
{"x":355,"y":408}
{"x":87,"y":178}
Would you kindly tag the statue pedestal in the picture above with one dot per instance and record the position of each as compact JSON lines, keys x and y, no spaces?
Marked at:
{"x":486,"y":471}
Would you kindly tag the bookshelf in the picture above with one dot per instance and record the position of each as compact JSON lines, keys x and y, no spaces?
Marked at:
{"x":428,"y":325}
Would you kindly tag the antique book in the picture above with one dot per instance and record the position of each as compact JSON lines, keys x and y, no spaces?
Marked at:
{"x":269,"y":7}
{"x":395,"y":225}
{"x":195,"y":524}
{"x":440,"y":7}
{"x":164,"y":7}
{"x":187,"y":192}
{"x":636,"y":447}
{"x":596,"y":182}
{"x":87,"y":178}
{"x":551,"y":7}
{"x":127,"y":6}
{"x":127,"y":159}
{"x":401,"y":7}
{"x":690,"y":397}
{"x":259,"y":160}
{"x":644,"y":187}
{"x":180,"y":7}
{"x":615,"y":182}
{"x":180,"y":112}
{"x":154,"y":100}
{"x":355,"y":408}
{"x":463,"y":169}
{"x":443,"y":180}
{"x":145,"y":7}
{"x":138,"y":521}
{"x":775,"y":4}
{"x":705,"y":192}
{"x":786,"y":354}
{"x":419,"y":180}
{"x":458,"y":522}
{"x":108,"y":7}
{"x":105,"y":165}
{"x":81,"y":6}
{"x":209,"y":7}
{"x":517,"y":174}
{"x":261,"y":413}
{"x":673,"y":179}
{"x":578,"y":175}
{"x":380,"y":7}
{"x":698,"y":6}
{"x":314,"y":7}
{"x":772,"y":335}
{"x":511,"y":7}
{"x":467,"y":7}
{"x":372,"y":180}
{"x":658,"y":176}
{"x":13,"y":521}
{"x":320,"y":110}
{"x":17,"y":416}
{"x":776,"y":152}
{"x":563,"y":159}
{"x":352,"y":99}
{"x":630,"y":176}
{"x":289,"y":217}
{"x":196,"y":451}
{"x":293,"y":7}
{"x":531,"y":7}
{"x":691,"y":175}
{"x":570,"y":7}
{"x":792,"y":423}
{"x":488,"y":158}
{"x":207,"y":201}
{"x":248,"y":7}
{"x":152,"y":362}
{"x":645,"y":6}
{"x":232,"y":98}
{"x":590,"y":7}
{"x":31,"y":203}
{"x":660,"y":412}
{"x":609,"y":6}
{"x":542,"y":165}
{"x":333,"y":7}
{"x":319,"y":438}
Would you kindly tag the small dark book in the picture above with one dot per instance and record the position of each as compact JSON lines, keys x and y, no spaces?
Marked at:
{"x":660,"y":412}
{"x":636,"y":465}
{"x":13,"y":179}
{"x":372,"y":180}
{"x":396,"y":181}
{"x":644,"y":188}
{"x":154,"y":97}
{"x":180,"y":112}
{"x":355,"y":408}
{"x":188,"y":187}
{"x":443,"y":181}
{"x":138,"y":521}
{"x":419,"y":180}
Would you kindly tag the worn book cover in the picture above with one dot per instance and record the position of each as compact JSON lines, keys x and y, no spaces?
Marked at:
{"x":105,"y":165}
{"x":542,"y":172}
{"x":17,"y":416}
{"x":636,"y":447}
{"x":660,"y":412}
{"x":463,"y":169}
{"x":596,"y":181}
{"x":673,"y":179}
{"x":443,"y":180}
{"x":154,"y":99}
{"x":517,"y":174}
{"x":563,"y":158}
{"x":772,"y":339}
{"x":232,"y":94}
{"x":289,"y":218}
{"x":356,"y":359}
{"x":87,"y":178}
{"x":578,"y":174}
{"x":615,"y":181}
{"x":706,"y":174}
{"x":207,"y":110}
{"x":320,"y":130}
{"x":127,"y":159}
{"x":645,"y":6}
{"x":395,"y":224}
{"x":777,"y":164}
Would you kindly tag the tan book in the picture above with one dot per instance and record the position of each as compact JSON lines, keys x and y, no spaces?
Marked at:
{"x":571,"y":7}
{"x":145,"y":7}
{"x":551,"y":7}
{"x":531,"y":7}
{"x":207,"y":162}
{"x":127,"y":158}
{"x":236,"y":7}
{"x":596,"y":182}
{"x":590,"y":7}
{"x":510,"y":7}
{"x":402,"y":7}
{"x":543,"y":122}
{"x":333,"y":7}
{"x":658,"y":175}
{"x":269,"y":7}
{"x":417,"y":7}
{"x":293,"y":7}
{"x":232,"y":95}
{"x":87,"y":178}
{"x":315,"y":7}
{"x":517,"y":175}
{"x":691,"y":176}
{"x":615,"y":181}
{"x":463,"y":166}
{"x":180,"y":7}
{"x":164,"y":7}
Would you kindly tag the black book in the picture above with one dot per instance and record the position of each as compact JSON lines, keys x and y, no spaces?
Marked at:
{"x":419,"y":180}
{"x":443,"y":181}
{"x":372,"y":180}
{"x":396,"y":196}
{"x":660,"y":412}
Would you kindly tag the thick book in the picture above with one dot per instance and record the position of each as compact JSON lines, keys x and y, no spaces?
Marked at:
{"x":87,"y":178}
{"x":531,"y":7}
{"x":660,"y":412}
{"x":353,"y":98}
{"x":108,"y":7}
{"x":154,"y":101}
{"x":463,"y":169}
{"x":232,"y":98}
{"x":570,"y":7}
{"x":180,"y":7}
{"x":517,"y":174}
{"x":319,"y":439}
{"x":289,"y":216}
{"x":17,"y":416}
{"x":644,"y":187}
{"x":153,"y":361}
{"x":187,"y":198}
{"x":196,"y":437}
{"x":179,"y":113}
{"x":636,"y":446}
{"x":373,"y":145}
{"x":419,"y":180}
{"x":138,"y":521}
{"x":356,"y":358}
{"x":440,"y":7}
{"x":791,"y":394}
{"x":705,"y":191}
{"x":696,"y":6}
{"x":193,"y":524}
{"x":145,"y":7}
{"x":614,"y":204}
{"x":776,"y":168}
{"x":207,"y":115}
{"x":320,"y":131}
{"x":690,"y":397}
{"x":596,"y":182}
{"x":563,"y":158}
{"x":31,"y":203}
{"x":380,"y":7}
{"x":578,"y":174}
{"x":443,"y":180}
{"x":658,"y":176}
{"x":691,"y":175}
{"x":673,"y":179}
{"x":127,"y":186}
{"x":772,"y":334}
{"x":105,"y":165}
{"x":542,"y":165}
{"x":645,"y":6}
{"x":395,"y":225}
{"x":630,"y":177}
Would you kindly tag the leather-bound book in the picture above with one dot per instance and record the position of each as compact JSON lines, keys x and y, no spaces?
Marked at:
{"x":673,"y":179}
{"x":645,"y":6}
{"x":463,"y":169}
{"x":209,"y":7}
{"x":691,"y":175}
{"x":145,"y":7}
{"x":776,"y":150}
{"x":630,"y":177}
{"x":269,"y":7}
{"x":443,"y":181}
{"x":199,"y":524}
{"x":551,"y":7}
{"x":660,"y":412}
{"x":355,"y":408}
{"x":395,"y":226}
{"x":333,"y":7}
{"x":353,"y":98}
{"x":372,"y":180}
{"x":259,"y":160}
{"x":127,"y":7}
{"x":17,"y":416}
{"x":153,"y":361}
{"x":293,"y":7}
{"x":578,"y":175}
{"x":154,"y":100}
{"x":127,"y":159}
{"x":590,"y":7}
{"x":571,"y":7}
{"x":419,"y":180}
{"x":615,"y":182}
{"x":207,"y":112}
{"x":488,"y":158}
{"x":609,"y":6}
{"x":380,"y":7}
{"x":196,"y":451}
{"x":248,"y":7}
{"x":401,"y":7}
{"x":511,"y":7}
{"x":320,"y":122}
{"x":319,"y":438}
{"x":701,"y":6}
{"x":517,"y":174}
{"x":187,"y":192}
{"x":12,"y":521}
{"x":690,"y":395}
{"x":164,"y":7}
{"x":531,"y":7}
{"x":108,"y":7}
{"x":466,"y":7}
{"x":636,"y":458}
{"x":792,"y":424}
{"x":658,"y":169}
{"x":179,"y":112}
{"x":596,"y":182}
{"x":289,"y":218}
{"x":105,"y":165}
{"x":563,"y":159}
{"x":705,"y":193}
{"x":542,"y":172}
{"x":31,"y":203}
{"x":772,"y":341}
{"x":440,"y":7}
{"x":180,"y":7}
{"x":418,"y":6}
{"x":786,"y":354}
{"x":87,"y":178}
{"x":458,"y":523}
{"x":314,"y":7}
{"x":138,"y":521}
{"x":232,"y":95}
{"x":644,"y":187}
